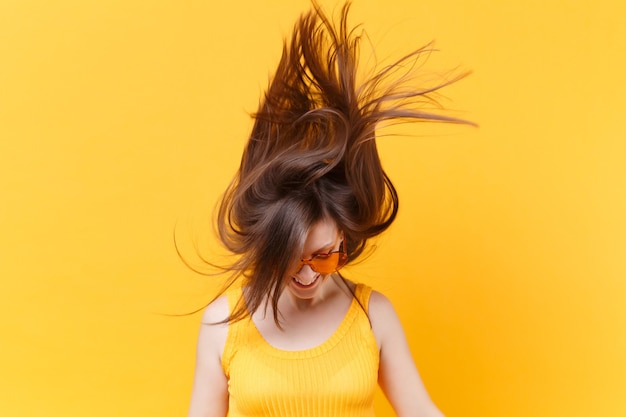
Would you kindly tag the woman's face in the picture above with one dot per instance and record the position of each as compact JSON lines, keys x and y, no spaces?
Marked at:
{"x":323,"y":238}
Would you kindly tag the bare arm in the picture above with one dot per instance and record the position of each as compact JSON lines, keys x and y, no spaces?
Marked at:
{"x":209,"y":397}
{"x":398,"y":376}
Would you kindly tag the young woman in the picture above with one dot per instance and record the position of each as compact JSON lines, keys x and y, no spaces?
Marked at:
{"x":295,"y":338}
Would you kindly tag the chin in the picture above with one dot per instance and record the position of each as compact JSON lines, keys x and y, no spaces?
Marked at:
{"x":306,"y":292}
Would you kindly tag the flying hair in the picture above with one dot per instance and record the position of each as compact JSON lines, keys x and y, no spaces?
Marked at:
{"x":312,"y":155}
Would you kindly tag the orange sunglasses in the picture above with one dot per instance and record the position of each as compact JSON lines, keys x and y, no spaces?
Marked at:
{"x":326,"y":263}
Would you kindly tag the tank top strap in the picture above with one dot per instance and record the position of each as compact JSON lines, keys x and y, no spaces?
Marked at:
{"x":235,"y":297}
{"x":362,"y":293}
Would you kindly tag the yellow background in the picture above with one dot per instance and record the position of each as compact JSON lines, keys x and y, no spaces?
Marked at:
{"x":120,"y":119}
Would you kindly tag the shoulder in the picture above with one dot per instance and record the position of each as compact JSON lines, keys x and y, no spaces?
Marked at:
{"x":383,"y":317}
{"x":218,"y":310}
{"x":214,"y":328}
{"x":380,"y":305}
{"x":210,"y":387}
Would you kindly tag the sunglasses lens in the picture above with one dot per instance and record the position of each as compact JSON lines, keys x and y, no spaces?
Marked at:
{"x":327,"y":264}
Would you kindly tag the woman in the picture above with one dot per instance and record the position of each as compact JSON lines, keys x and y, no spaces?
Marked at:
{"x":296,"y":338}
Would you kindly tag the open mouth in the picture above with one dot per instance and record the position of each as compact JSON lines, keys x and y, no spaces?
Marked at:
{"x":302,"y":284}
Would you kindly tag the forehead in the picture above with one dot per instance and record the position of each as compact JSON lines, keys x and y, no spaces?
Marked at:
{"x":321,"y":235}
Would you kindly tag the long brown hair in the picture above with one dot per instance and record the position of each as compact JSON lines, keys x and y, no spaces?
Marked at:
{"x":312,"y":155}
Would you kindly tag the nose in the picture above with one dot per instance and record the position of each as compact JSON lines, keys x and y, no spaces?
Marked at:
{"x":306,"y":272}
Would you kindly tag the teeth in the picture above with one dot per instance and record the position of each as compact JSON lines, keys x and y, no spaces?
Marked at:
{"x":304,"y":283}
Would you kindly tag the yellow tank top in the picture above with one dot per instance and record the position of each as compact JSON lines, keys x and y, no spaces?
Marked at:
{"x":337,"y":378}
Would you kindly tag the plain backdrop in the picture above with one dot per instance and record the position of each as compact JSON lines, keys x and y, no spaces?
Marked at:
{"x":122,"y":121}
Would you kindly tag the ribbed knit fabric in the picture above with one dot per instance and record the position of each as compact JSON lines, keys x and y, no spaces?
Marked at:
{"x":335,"y":379}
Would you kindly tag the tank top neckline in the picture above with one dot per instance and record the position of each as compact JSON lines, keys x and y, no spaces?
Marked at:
{"x":344,"y":326}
